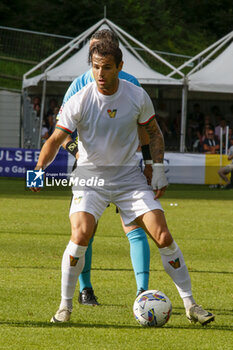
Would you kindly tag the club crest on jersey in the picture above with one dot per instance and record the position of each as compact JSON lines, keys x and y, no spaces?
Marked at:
{"x":112,"y":113}
{"x":175,"y":264}
{"x":73,"y":260}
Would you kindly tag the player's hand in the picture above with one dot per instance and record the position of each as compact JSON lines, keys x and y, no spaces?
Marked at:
{"x":148,"y":171}
{"x":159,"y":181}
{"x":35,"y":189}
{"x":159,"y":193}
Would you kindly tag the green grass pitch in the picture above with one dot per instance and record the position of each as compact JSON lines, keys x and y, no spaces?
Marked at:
{"x":34,"y":230}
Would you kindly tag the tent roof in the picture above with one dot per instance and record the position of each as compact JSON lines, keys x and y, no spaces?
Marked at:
{"x":217,"y":76}
{"x":77,"y":64}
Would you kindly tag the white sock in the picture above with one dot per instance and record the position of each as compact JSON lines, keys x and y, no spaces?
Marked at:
{"x":188,"y":301}
{"x":174,"y":265}
{"x":66,"y":303}
{"x":72,"y":265}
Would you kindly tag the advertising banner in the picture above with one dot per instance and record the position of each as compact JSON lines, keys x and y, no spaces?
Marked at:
{"x":14,"y":162}
{"x":181,"y":168}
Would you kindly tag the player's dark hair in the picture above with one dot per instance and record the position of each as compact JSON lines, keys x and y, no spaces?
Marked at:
{"x":105,"y":48}
{"x":105,"y":34}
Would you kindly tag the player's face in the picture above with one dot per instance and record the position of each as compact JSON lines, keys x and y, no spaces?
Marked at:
{"x":105,"y":73}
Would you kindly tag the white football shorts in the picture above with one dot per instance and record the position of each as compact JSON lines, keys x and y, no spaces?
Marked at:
{"x":228,"y":168}
{"x":131,"y":204}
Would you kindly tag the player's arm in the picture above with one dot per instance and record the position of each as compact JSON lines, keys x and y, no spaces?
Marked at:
{"x":145,"y":147}
{"x":49,"y":151}
{"x":217,"y":147}
{"x":71,"y":146}
{"x":206,"y":148}
{"x":159,"y":181}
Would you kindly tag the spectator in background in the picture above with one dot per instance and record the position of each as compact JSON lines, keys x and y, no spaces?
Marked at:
{"x":222,"y":124}
{"x":44,"y":133}
{"x":229,"y":116}
{"x":215,"y":115}
{"x":207,"y":122}
{"x":52,"y":104}
{"x":211,"y":143}
{"x":199,"y":142}
{"x":36,"y":101}
{"x":230,"y":137}
{"x":36,"y":105}
{"x":51,"y":120}
{"x":195,"y":122}
{"x":177,"y":123}
{"x":162,"y":116}
{"x":37,"y":109}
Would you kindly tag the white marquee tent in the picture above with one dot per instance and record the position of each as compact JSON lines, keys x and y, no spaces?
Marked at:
{"x":77,"y":65}
{"x":62,"y":67}
{"x":214,"y":76}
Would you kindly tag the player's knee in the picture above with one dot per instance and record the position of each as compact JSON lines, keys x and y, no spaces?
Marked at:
{"x":81,"y":233}
{"x":163,"y":238}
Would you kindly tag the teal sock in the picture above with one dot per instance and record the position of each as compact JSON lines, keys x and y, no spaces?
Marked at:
{"x":85,"y":276}
{"x":140,"y":257}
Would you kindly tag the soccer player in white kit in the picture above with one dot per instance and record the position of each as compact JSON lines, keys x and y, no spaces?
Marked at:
{"x":139,"y":246}
{"x":106,"y":114}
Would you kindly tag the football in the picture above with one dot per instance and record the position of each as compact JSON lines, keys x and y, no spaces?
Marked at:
{"x":152,"y":308}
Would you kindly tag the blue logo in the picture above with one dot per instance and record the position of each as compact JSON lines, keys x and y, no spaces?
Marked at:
{"x":35,"y":178}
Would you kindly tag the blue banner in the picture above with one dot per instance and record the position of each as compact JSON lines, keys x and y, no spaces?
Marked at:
{"x":14,"y":162}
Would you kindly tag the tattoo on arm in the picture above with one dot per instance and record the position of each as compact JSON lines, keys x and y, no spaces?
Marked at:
{"x":156,"y":141}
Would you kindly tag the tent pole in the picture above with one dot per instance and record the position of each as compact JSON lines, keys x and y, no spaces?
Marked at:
{"x":127,"y":43}
{"x":227,"y":139}
{"x":209,"y":56}
{"x":70,"y":43}
{"x":152,"y":53}
{"x":42,"y":110}
{"x":183,"y":116}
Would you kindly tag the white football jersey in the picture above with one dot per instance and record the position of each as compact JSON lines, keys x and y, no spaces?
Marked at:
{"x":107,"y":124}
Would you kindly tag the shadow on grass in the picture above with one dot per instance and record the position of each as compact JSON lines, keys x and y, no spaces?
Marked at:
{"x":110,"y":269}
{"x":217,"y":312}
{"x":34,"y":324}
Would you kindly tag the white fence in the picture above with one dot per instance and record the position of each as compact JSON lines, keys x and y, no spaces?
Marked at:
{"x":9,"y":119}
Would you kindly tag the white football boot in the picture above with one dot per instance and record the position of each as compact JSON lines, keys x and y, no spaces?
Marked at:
{"x":197,"y":314}
{"x":62,"y":315}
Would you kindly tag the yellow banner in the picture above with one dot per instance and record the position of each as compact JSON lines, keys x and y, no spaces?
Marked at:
{"x":212,"y":165}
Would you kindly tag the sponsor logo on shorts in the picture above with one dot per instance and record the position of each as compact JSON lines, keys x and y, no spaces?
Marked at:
{"x":175,"y":264}
{"x":77,"y":200}
{"x":112,"y":113}
{"x":73,"y":260}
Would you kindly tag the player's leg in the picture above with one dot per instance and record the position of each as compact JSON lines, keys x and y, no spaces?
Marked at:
{"x":222,"y":173}
{"x":230,"y":184}
{"x":173,"y":261}
{"x":140,"y":255}
{"x":86,"y":292}
{"x":82,"y":228}
{"x":85,"y":211}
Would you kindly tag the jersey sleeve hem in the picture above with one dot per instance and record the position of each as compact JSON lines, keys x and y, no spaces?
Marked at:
{"x":144,"y":123}
{"x":64,"y":129}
